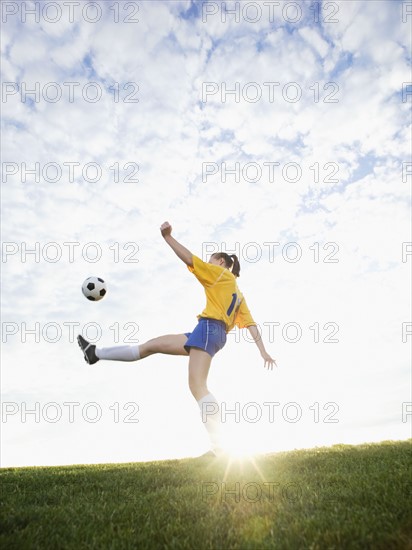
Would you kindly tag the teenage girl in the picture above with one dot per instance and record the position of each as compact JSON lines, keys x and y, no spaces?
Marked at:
{"x":225,"y":308}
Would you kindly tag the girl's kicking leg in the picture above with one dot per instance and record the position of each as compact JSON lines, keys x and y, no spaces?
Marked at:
{"x":171,"y":344}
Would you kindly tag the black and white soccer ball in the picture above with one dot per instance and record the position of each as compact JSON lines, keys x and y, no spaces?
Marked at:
{"x":94,"y":288}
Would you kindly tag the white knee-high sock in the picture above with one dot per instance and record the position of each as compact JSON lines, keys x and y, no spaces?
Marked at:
{"x":210,"y":414}
{"x":119,"y":353}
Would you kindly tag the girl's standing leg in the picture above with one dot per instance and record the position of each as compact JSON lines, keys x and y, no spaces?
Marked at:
{"x":199,"y":365}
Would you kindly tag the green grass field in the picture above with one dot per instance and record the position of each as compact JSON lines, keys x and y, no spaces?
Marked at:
{"x":336,"y":497}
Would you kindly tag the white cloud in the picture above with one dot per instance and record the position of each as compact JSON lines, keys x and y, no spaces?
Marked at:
{"x":313,"y":38}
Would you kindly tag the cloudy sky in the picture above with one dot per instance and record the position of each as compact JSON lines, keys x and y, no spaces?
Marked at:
{"x":280,"y":131}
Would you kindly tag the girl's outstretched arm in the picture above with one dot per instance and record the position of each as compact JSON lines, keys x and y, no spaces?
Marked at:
{"x":269,"y":362}
{"x":183,"y":253}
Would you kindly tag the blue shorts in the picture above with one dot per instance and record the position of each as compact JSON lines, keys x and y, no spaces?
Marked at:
{"x":209,"y":335}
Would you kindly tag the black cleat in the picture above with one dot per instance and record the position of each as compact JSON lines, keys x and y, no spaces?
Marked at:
{"x":213,"y":453}
{"x":209,"y":454}
{"x":88,"y":350}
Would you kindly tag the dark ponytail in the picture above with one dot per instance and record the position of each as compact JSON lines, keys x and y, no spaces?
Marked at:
{"x":235,"y":265}
{"x":231,"y":262}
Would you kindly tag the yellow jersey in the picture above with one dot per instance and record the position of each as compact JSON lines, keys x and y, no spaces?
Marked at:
{"x":224,"y":301}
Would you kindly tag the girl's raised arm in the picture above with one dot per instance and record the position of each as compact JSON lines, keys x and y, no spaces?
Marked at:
{"x":183,"y":253}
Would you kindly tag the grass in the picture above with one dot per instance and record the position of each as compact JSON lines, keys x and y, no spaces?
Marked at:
{"x":325,"y":498}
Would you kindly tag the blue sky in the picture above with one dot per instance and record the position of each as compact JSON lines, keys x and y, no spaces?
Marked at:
{"x":157,"y":148}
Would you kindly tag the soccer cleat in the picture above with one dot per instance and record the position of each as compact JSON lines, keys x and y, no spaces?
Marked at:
{"x":214,"y":453}
{"x":88,"y":350}
{"x":218,"y":452}
{"x":209,"y":454}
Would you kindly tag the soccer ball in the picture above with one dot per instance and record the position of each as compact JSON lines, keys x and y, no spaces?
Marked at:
{"x":94,"y":288}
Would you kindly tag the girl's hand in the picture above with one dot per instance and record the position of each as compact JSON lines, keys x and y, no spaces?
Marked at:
{"x":269,"y":362}
{"x":166,"y":229}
